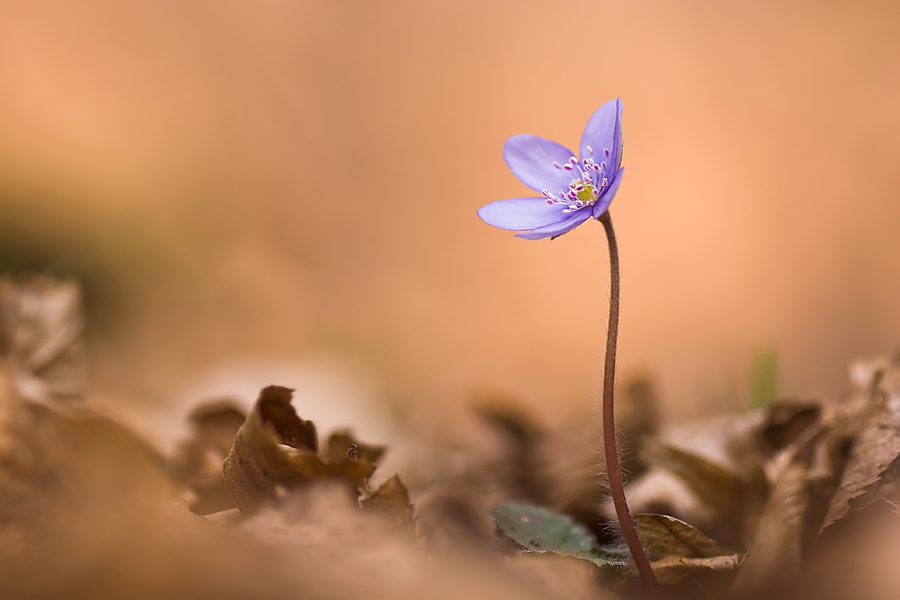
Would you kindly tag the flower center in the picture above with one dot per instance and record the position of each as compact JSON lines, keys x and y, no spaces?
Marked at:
{"x":587,"y":185}
{"x":585,"y":191}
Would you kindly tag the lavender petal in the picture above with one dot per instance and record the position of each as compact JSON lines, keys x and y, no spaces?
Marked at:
{"x":519,"y":214}
{"x":572,"y":221}
{"x":602,"y":203}
{"x":531,"y":159}
{"x":604,"y":131}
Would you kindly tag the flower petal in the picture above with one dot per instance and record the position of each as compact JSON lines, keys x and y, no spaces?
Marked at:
{"x":531,"y":159}
{"x":604,"y":131}
{"x":519,"y":214}
{"x":572,"y":221}
{"x":602,"y":203}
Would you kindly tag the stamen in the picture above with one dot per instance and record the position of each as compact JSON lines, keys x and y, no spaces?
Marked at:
{"x":557,"y":165}
{"x":567,"y":167}
{"x":606,"y":152}
{"x":573,"y":160}
{"x":590,"y":150}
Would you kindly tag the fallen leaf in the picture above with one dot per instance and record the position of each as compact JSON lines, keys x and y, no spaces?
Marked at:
{"x":875,"y":447}
{"x":663,"y":536}
{"x":697,"y":577}
{"x":776,"y":554}
{"x":275,"y":450}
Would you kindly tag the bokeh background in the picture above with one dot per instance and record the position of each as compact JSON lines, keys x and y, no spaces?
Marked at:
{"x":286,"y":191}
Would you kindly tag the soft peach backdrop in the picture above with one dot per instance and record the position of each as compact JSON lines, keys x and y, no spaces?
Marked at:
{"x":297,"y":181}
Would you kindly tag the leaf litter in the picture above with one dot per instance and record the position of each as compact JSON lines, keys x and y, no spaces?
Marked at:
{"x":797,"y":498}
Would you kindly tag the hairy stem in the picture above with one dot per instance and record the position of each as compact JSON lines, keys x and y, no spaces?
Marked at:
{"x":609,"y":424}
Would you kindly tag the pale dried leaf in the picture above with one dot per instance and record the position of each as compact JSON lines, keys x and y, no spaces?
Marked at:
{"x":40,"y":340}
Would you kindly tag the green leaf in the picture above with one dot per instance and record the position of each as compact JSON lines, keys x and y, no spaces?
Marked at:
{"x":542,"y":530}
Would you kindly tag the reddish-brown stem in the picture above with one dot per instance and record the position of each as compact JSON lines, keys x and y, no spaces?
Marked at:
{"x":609,"y":424}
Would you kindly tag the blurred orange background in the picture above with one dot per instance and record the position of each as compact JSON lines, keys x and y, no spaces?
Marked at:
{"x":295,"y":183}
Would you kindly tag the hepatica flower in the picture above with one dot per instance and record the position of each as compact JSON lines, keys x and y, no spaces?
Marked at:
{"x":572,"y":189}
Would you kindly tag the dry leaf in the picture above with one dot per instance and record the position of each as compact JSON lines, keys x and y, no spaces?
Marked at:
{"x":875,"y":447}
{"x":697,"y":577}
{"x":777,"y":550}
{"x":275,"y":450}
{"x":664,"y":536}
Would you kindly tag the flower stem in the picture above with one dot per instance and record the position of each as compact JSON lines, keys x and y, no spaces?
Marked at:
{"x":609,"y":425}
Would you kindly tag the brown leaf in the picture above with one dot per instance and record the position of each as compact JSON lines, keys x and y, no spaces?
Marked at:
{"x":663,"y":536}
{"x":875,"y":447}
{"x":776,"y":553}
{"x":40,"y":339}
{"x":697,"y":575}
{"x":391,"y":500}
{"x":275,"y":450}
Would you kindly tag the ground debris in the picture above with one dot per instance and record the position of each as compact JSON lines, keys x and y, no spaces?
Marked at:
{"x":798,"y":498}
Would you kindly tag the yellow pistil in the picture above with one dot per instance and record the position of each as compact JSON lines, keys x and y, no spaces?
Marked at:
{"x":588,"y":194}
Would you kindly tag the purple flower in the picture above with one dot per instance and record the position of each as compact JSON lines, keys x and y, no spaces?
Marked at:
{"x":572,"y":190}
